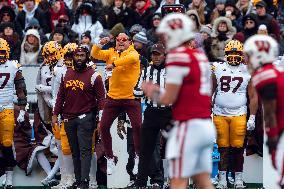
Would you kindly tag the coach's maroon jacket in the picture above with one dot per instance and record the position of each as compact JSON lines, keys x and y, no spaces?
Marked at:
{"x":79,"y":93}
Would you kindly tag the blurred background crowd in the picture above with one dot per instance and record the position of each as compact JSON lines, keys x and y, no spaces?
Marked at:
{"x":28,"y":24}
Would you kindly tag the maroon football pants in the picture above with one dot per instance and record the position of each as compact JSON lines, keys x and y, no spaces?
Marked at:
{"x":111,"y":111}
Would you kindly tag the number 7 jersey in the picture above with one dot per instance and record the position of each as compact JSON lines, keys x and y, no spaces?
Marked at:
{"x":231,"y":91}
{"x":8,"y":73}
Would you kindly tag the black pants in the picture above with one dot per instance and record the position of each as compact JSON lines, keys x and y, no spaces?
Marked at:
{"x":156,"y":166}
{"x":80,"y":133}
{"x":154,"y":120}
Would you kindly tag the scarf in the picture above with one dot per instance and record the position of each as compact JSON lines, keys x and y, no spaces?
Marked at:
{"x":30,"y":47}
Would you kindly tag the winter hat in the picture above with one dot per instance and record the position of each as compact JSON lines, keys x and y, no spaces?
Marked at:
{"x":117,"y":29}
{"x":33,"y":32}
{"x":136,"y":28}
{"x":140,"y":37}
{"x":205,"y":29}
{"x":63,"y":17}
{"x":58,"y":30}
{"x":157,"y":16}
{"x":105,"y":33}
{"x":33,"y":23}
{"x":261,"y":4}
{"x":262,"y":27}
{"x":220,"y":2}
{"x":87,"y":34}
{"x":158,"y":47}
{"x":8,"y":24}
{"x":230,"y":3}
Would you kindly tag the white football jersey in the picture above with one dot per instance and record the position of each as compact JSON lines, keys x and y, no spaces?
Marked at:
{"x":46,"y":76}
{"x":231,"y":93}
{"x":7,"y":86}
{"x":59,"y":71}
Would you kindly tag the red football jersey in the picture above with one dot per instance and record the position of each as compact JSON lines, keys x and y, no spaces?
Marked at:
{"x":194,"y":98}
{"x":271,"y":74}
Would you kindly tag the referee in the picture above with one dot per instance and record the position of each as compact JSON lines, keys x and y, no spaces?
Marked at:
{"x":156,"y":117}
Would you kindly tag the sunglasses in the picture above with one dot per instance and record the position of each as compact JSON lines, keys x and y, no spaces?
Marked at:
{"x":122,"y":39}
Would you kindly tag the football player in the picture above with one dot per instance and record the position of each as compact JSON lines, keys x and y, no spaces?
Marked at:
{"x":188,"y":88}
{"x":268,"y":79}
{"x":231,"y":84}
{"x":52,"y":55}
{"x":11,"y":79}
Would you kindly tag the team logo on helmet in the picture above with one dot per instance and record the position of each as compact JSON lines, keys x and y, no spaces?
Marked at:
{"x":234,"y":52}
{"x":4,"y":51}
{"x":52,"y":52}
{"x":68,"y":51}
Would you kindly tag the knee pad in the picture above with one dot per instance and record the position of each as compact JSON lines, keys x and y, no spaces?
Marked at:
{"x":66,"y":151}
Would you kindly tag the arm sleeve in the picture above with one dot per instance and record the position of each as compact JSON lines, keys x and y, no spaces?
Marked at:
{"x":176,"y":74}
{"x":269,"y":92}
{"x":99,"y":90}
{"x":100,"y":54}
{"x":131,"y":58}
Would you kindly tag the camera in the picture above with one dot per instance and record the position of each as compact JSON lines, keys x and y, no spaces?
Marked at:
{"x":166,"y":9}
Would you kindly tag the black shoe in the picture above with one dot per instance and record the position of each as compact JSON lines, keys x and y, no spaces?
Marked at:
{"x":8,"y":187}
{"x":74,"y":185}
{"x":83,"y":185}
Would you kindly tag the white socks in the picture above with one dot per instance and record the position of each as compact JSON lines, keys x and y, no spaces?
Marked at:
{"x":93,"y":169}
{"x":68,"y":164}
{"x":44,"y":163}
{"x":9,"y":178}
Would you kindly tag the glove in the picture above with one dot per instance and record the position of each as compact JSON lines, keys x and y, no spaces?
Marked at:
{"x":121,"y":129}
{"x":251,"y":123}
{"x":21,"y":117}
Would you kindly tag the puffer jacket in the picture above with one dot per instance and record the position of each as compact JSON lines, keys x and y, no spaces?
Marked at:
{"x":218,"y":45}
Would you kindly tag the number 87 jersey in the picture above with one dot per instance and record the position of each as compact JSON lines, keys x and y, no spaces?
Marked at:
{"x":8,"y":72}
{"x":231,"y":90}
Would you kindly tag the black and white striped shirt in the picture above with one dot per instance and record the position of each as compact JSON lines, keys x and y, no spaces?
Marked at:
{"x":157,"y":76}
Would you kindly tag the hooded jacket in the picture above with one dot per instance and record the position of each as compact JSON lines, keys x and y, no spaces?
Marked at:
{"x":218,"y":45}
{"x":197,"y":19}
{"x":88,"y":22}
{"x":28,"y":58}
{"x":35,"y":13}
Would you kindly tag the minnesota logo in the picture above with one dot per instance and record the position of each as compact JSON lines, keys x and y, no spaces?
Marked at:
{"x":75,"y":84}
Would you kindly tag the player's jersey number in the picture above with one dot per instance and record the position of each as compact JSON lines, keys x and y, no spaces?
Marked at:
{"x":6,"y":77}
{"x":225,"y":83}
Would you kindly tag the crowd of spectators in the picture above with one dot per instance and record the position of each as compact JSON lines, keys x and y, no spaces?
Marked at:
{"x":28,"y":24}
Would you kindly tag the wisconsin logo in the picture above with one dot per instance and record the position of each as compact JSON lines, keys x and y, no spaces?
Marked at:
{"x":74,"y":84}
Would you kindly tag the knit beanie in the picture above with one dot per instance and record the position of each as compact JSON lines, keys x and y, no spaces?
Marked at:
{"x":220,"y":2}
{"x":87,"y":34}
{"x":117,"y":29}
{"x":140,"y":37}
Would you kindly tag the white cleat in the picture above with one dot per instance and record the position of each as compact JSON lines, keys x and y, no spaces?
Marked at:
{"x":239,"y":183}
{"x":222,"y":180}
{"x":93,"y":183}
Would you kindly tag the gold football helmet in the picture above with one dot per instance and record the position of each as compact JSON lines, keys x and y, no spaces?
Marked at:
{"x":4,"y":51}
{"x":68,"y":50}
{"x":234,"y":52}
{"x":52,"y":52}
